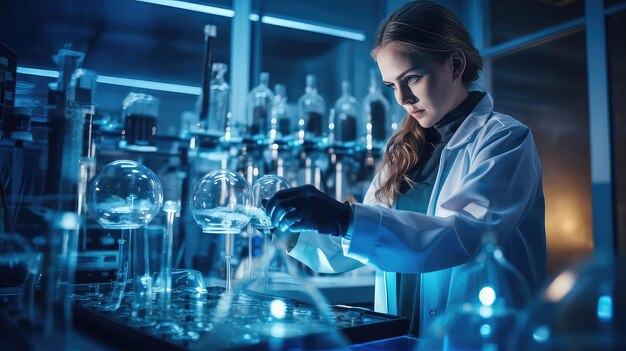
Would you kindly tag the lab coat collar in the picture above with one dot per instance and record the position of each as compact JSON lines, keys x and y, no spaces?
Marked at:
{"x":472,"y":123}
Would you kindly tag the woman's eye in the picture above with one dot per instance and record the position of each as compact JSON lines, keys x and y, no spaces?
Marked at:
{"x":390,"y":85}
{"x":412,"y":79}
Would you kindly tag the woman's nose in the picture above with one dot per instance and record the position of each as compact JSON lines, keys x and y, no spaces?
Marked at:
{"x":405,"y":96}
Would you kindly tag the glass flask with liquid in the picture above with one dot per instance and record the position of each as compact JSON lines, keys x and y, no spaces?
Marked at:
{"x":376,"y":112}
{"x":219,"y":103}
{"x":312,"y":108}
{"x":259,"y":107}
{"x":140,"y":112}
{"x":124,"y":195}
{"x":347,"y":111}
{"x":220,"y":204}
{"x":281,"y":121}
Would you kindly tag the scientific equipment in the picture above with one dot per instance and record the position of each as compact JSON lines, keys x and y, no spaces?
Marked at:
{"x":583,"y":308}
{"x":8,"y":72}
{"x":82,"y":86}
{"x":16,"y":123}
{"x":251,"y":161}
{"x":140,"y":112}
{"x":487,"y":296}
{"x":57,"y":280}
{"x":67,"y":61}
{"x":124,"y":195}
{"x":259,"y":108}
{"x":347,"y":113}
{"x":313,"y":163}
{"x":219,"y":102}
{"x":281,"y":121}
{"x":312,"y":109}
{"x":220,"y":204}
{"x":262,"y":191}
{"x":210,"y":32}
{"x":376,"y":112}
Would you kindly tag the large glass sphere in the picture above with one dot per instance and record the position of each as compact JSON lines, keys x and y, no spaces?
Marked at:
{"x":262,"y":190}
{"x":220,"y":202}
{"x":124,"y":195}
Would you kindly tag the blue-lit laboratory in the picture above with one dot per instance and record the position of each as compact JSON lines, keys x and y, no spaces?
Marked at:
{"x":295,"y":175}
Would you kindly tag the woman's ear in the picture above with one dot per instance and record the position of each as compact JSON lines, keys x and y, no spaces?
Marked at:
{"x":458,"y":65}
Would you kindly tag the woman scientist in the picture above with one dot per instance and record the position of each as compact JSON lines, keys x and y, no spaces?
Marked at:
{"x":453,"y":171}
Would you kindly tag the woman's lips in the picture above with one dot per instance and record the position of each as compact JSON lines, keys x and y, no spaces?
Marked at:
{"x":416,"y":113}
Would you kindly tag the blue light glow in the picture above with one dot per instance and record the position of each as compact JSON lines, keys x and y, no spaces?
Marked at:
{"x":541,"y":334}
{"x":278,"y":308}
{"x":192,"y":7}
{"x":309,"y":27}
{"x":38,"y":72}
{"x":487,"y":296}
{"x":146,"y":84}
{"x":271,"y":20}
{"x":605,"y":308}
{"x":485,"y":330}
{"x":127,"y":82}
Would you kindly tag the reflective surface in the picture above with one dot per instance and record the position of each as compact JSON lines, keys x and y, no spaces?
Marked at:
{"x":124,"y":195}
{"x":279,"y":311}
{"x":583,"y":308}
{"x":262,"y":191}
{"x":220,"y":202}
{"x":545,"y":87}
{"x":483,"y":306}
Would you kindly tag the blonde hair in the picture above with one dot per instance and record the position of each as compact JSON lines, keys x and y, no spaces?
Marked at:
{"x":422,"y":28}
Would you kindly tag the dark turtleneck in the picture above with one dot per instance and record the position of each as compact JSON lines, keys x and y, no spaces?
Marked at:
{"x":417,"y":197}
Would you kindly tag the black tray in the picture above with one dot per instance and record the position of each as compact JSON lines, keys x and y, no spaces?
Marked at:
{"x":358,"y":325}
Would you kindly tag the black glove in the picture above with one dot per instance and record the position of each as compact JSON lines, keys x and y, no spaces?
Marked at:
{"x":306,"y":208}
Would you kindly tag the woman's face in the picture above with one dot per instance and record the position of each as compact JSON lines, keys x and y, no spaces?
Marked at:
{"x":424,"y":87}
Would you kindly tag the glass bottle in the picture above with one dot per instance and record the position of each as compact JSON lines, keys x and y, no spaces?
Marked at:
{"x":376,"y":111}
{"x":220,"y":95}
{"x":140,"y":119}
{"x":347,"y":112}
{"x":259,"y":107}
{"x":281,"y":122}
{"x":312,"y":107}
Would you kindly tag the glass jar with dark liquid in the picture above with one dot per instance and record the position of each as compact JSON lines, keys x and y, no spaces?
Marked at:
{"x":312,"y":107}
{"x":140,"y":119}
{"x":259,"y":107}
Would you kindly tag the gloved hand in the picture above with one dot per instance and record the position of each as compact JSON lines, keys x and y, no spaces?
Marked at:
{"x":306,"y":208}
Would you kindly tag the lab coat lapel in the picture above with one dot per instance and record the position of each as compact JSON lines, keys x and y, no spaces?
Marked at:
{"x":463,"y":135}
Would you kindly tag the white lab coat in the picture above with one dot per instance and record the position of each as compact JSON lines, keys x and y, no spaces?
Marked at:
{"x":489,"y":177}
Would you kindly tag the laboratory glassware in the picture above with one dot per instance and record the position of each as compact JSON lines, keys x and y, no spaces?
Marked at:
{"x":486,"y":298}
{"x":281,"y":121}
{"x":162,"y":282}
{"x":376,"y":112}
{"x":140,"y":112}
{"x":312,"y":109}
{"x":347,"y":112}
{"x":210,"y":33}
{"x":582,"y":308}
{"x":220,"y":204}
{"x":124,"y":195}
{"x":259,"y":107}
{"x":57,"y":280}
{"x":262,"y":191}
{"x":219,"y":102}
